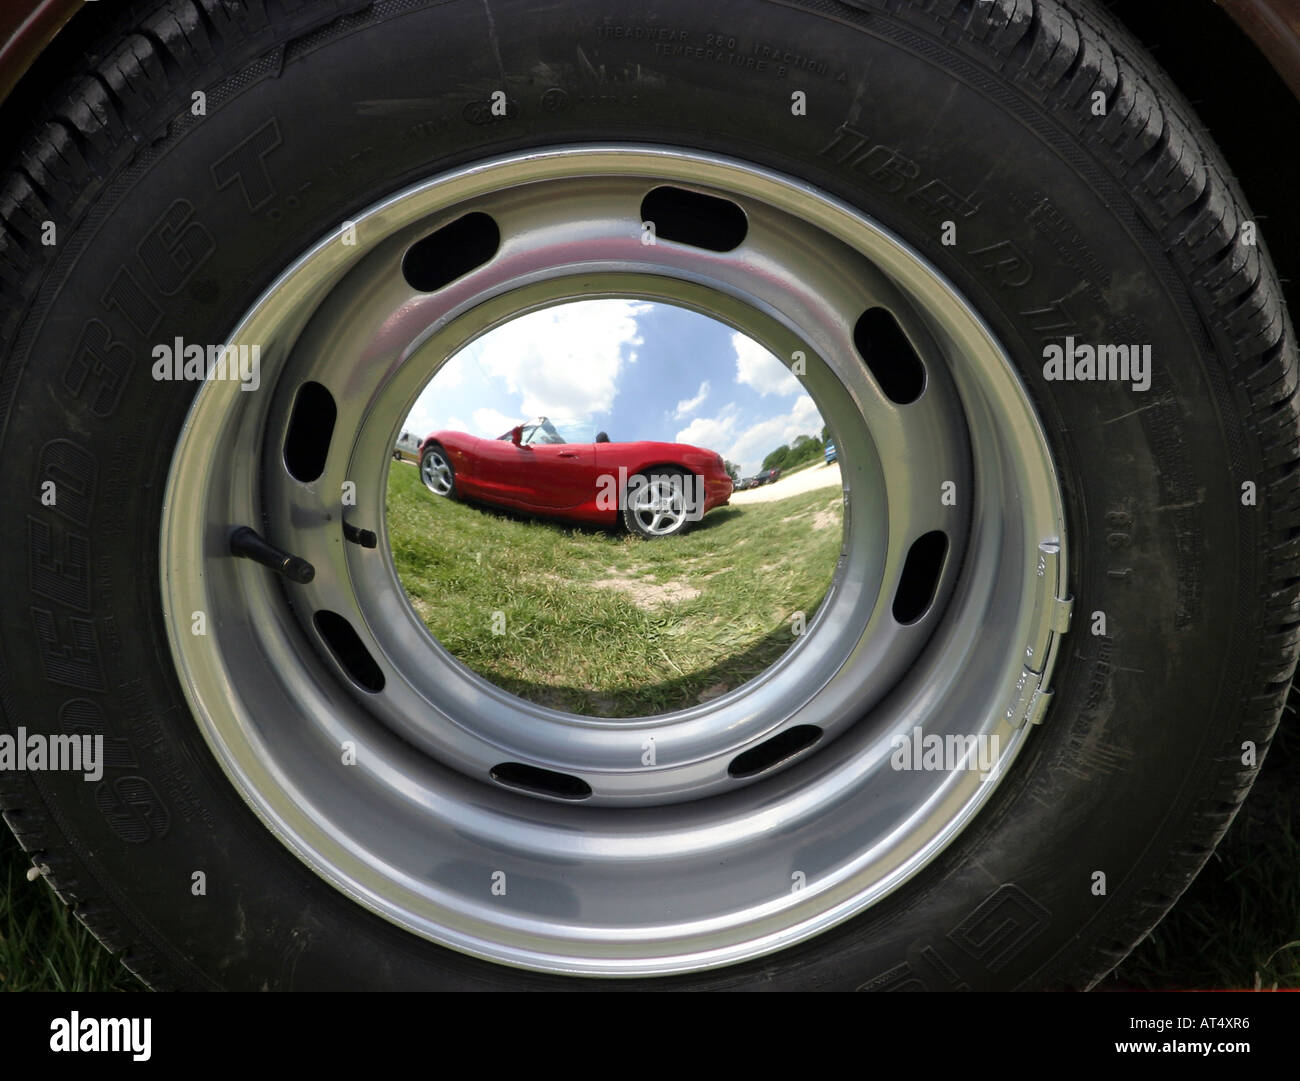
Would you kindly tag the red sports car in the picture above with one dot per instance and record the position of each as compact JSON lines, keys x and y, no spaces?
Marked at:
{"x":560,"y":471}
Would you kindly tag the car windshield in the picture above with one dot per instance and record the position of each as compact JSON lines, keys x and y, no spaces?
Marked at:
{"x":544,"y":431}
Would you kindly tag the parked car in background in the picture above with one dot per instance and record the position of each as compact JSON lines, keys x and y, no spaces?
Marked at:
{"x":831,"y":452}
{"x":407,"y":447}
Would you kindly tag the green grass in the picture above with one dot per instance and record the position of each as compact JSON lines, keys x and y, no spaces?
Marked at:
{"x":43,"y":947}
{"x":820,"y":460}
{"x":605,"y":623}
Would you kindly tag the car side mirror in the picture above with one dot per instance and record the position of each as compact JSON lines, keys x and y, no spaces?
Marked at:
{"x":517,"y":435}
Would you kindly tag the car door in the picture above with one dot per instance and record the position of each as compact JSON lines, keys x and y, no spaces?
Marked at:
{"x":557,"y":476}
{"x":554,"y":476}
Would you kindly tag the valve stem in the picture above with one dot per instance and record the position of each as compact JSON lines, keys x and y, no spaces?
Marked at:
{"x":364,"y":537}
{"x":246,"y":543}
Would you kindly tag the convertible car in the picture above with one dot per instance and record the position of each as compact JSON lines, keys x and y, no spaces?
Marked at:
{"x":564,"y":471}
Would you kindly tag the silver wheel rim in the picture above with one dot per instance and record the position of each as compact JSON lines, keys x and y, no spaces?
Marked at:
{"x":659,"y":507}
{"x":435,"y":471}
{"x":420,"y":828}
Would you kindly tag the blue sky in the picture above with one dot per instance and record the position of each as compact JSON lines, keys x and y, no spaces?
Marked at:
{"x":635,"y":369}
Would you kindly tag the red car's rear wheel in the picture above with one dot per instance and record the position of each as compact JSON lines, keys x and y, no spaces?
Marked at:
{"x":437,"y":473}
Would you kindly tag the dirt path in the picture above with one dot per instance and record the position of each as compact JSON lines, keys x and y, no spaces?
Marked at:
{"x":818,"y":476}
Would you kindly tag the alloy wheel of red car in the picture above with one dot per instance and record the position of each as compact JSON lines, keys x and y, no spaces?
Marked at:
{"x":436,"y":472}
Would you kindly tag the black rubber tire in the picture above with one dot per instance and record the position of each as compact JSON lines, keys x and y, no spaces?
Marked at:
{"x":1125,"y":225}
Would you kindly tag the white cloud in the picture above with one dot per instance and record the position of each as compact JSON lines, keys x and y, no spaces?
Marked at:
{"x":564,"y":361}
{"x":758,"y":368}
{"x":489,"y":423}
{"x":423,"y":419}
{"x":688,"y":405}
{"x":711,"y":433}
{"x":754,"y":442}
{"x":452,"y":372}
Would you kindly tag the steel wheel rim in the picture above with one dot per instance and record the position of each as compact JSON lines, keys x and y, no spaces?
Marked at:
{"x":436,"y":473}
{"x":794,"y":868}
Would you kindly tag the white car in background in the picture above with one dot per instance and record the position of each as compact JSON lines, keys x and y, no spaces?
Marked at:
{"x":407,"y":447}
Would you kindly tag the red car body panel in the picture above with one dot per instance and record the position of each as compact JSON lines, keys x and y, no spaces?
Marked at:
{"x":545,"y":477}
{"x":567,"y":480}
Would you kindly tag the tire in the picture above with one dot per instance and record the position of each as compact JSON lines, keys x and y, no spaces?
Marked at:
{"x":437,"y":473}
{"x":1181,"y":503}
{"x":658,"y":504}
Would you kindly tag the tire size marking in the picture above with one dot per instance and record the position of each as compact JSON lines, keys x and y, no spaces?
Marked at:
{"x":891,"y":171}
{"x":718,"y":47}
{"x":68,"y":641}
{"x":994,"y":934}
